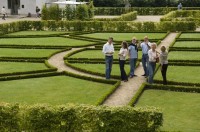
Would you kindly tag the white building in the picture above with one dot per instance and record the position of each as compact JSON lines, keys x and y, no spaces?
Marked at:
{"x":23,"y":7}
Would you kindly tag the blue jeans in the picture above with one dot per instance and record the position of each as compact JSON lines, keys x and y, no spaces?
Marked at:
{"x":109,"y":61}
{"x":152,"y":67}
{"x":132,"y":65}
{"x":123,"y":73}
{"x":145,"y":63}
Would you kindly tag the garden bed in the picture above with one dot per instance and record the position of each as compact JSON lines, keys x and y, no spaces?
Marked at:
{"x":125,"y":36}
{"x":185,"y":74}
{"x":180,"y":109}
{"x":45,"y":90}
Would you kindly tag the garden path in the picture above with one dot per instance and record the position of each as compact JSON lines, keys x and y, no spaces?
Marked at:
{"x":127,"y":90}
{"x":58,"y":62}
{"x":148,"y":18}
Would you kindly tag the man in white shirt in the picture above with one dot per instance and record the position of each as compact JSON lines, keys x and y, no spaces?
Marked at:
{"x":108,"y":50}
{"x":3,"y":12}
{"x":145,"y":58}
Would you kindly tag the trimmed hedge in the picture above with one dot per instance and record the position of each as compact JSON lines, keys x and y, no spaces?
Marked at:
{"x":124,"y":17}
{"x":122,"y":26}
{"x":140,"y":10}
{"x":192,"y":15}
{"x":40,"y":117}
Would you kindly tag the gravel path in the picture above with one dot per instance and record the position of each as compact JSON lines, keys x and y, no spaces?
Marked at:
{"x":127,"y":90}
{"x":58,"y":62}
{"x":148,"y":19}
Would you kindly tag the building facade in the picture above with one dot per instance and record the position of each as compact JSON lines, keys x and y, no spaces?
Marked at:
{"x":23,"y":7}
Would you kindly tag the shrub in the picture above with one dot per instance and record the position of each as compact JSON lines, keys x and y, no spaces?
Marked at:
{"x":69,"y":13}
{"x":82,"y":12}
{"x":91,"y":9}
{"x":71,"y":117}
{"x":45,"y":13}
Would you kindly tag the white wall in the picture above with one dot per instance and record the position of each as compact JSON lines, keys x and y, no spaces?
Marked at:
{"x":5,"y":3}
{"x":29,"y":7}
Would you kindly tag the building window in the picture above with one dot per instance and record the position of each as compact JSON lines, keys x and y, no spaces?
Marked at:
{"x":13,"y":3}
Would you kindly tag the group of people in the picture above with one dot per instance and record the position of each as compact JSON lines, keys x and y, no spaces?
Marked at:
{"x":149,"y":58}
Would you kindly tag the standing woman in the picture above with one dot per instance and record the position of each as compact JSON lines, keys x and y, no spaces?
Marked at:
{"x":164,"y":63}
{"x":122,"y":59}
{"x":152,"y":53}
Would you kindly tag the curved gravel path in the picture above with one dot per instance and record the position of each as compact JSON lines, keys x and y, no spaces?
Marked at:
{"x":126,"y":90}
{"x":58,"y":62}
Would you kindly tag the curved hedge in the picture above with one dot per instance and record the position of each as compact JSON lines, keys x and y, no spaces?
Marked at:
{"x":40,"y":117}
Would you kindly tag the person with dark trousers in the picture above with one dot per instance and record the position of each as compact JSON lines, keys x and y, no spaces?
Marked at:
{"x":122,"y":60}
{"x":108,"y":50}
{"x":153,"y":55}
{"x":145,"y":58}
{"x":3,"y":12}
{"x":133,"y":55}
{"x":164,"y":64}
{"x":37,"y":11}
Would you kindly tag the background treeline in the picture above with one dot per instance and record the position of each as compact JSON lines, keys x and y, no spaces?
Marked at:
{"x":81,"y":12}
{"x":146,"y":3}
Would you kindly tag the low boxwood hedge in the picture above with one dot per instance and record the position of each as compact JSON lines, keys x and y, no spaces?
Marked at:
{"x":41,"y":117}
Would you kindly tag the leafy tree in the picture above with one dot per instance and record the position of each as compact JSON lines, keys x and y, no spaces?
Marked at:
{"x":82,"y":12}
{"x":45,"y":13}
{"x":91,"y":9}
{"x":69,"y":12}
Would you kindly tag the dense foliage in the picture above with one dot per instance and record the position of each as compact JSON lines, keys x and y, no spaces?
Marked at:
{"x":16,"y":117}
{"x":81,"y":12}
{"x":146,"y":3}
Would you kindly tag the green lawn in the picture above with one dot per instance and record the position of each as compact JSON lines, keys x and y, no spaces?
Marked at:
{"x":36,"y":33}
{"x":188,"y":74}
{"x":93,"y":54}
{"x":53,"y":90}
{"x":100,"y":68}
{"x":190,"y":35}
{"x":125,"y":36}
{"x":10,"y":67}
{"x":184,"y":55}
{"x":189,"y":44}
{"x":180,"y":109}
{"x":47,"y":41}
{"x":9,"y":52}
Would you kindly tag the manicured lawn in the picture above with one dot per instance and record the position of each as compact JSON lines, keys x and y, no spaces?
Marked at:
{"x":189,"y":44}
{"x":180,"y":109}
{"x":9,"y":52}
{"x":188,"y":74}
{"x":184,"y":55}
{"x":125,"y":36}
{"x":10,"y":67}
{"x":53,"y":90}
{"x":93,"y":54}
{"x":36,"y":33}
{"x":100,"y":68}
{"x":190,"y":35}
{"x":47,"y":41}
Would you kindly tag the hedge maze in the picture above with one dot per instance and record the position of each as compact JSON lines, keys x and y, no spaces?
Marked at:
{"x":27,"y":78}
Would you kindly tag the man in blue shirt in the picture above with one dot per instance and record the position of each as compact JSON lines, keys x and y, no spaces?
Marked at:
{"x":145,"y":58}
{"x":133,"y":55}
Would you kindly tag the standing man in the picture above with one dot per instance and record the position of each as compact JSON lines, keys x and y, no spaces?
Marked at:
{"x":3,"y":12}
{"x":145,"y":58}
{"x":37,"y":11}
{"x":108,"y":50}
{"x":133,"y":55}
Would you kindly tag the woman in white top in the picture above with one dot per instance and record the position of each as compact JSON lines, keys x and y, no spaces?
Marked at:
{"x":152,"y":53}
{"x":164,"y":64}
{"x":122,"y":60}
